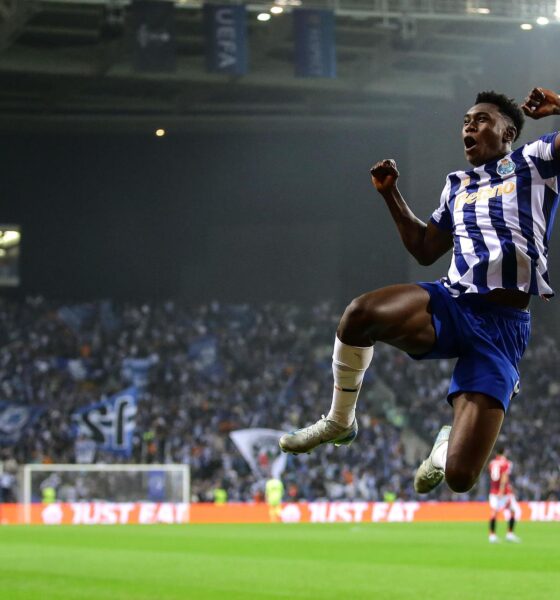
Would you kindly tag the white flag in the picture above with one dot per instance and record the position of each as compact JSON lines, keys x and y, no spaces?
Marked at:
{"x":259,"y":447}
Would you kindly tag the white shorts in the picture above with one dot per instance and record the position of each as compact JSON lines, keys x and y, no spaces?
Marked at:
{"x":505,"y":502}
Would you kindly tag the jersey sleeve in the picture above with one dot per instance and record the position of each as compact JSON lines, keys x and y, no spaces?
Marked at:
{"x":544,"y":156}
{"x":441,"y":217}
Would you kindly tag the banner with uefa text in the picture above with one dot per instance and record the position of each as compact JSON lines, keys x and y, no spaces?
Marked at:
{"x":149,"y":513}
{"x":226,"y":38}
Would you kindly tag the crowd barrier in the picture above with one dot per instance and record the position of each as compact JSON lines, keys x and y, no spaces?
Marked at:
{"x":125,"y":513}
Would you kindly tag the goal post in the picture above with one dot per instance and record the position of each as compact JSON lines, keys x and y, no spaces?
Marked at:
{"x":104,"y":483}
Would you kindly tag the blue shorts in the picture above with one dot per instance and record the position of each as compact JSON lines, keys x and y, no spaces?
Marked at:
{"x":488,"y":339}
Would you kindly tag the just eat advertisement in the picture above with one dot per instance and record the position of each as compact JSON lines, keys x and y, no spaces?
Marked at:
{"x":151,"y":513}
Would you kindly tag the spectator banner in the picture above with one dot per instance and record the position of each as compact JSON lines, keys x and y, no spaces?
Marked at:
{"x":136,"y":371}
{"x":110,"y":423}
{"x":315,"y":51}
{"x":259,"y":447}
{"x":14,"y":419}
{"x":145,"y":513}
{"x":152,"y":34}
{"x":226,"y":38}
{"x":203,"y":354}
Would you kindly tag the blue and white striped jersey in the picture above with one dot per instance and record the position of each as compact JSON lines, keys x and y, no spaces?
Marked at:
{"x":501,"y":216}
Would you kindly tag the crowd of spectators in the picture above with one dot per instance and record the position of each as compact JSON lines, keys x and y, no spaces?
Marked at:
{"x":213,"y":369}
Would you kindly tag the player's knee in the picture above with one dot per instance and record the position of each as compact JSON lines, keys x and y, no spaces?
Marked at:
{"x":359,"y":321}
{"x":460,"y":478}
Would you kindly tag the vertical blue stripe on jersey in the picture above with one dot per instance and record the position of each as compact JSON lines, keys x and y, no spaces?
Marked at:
{"x":480,"y":269}
{"x":523,"y":181}
{"x":547,"y":169}
{"x":460,"y":261}
{"x":496,"y":211}
{"x":550,"y":205}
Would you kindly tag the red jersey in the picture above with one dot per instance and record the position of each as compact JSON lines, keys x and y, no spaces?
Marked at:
{"x":497,"y":467}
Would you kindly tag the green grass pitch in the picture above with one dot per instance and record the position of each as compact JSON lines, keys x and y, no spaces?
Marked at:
{"x":258,"y":562}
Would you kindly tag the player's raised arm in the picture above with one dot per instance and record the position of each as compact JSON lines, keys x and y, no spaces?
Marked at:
{"x":543,"y":103}
{"x":425,"y":242}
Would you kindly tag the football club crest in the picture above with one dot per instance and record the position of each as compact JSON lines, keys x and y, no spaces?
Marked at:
{"x":505,"y":166}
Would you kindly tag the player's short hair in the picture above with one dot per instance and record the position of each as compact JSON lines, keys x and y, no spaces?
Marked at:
{"x":507,"y":106}
{"x":500,"y":449}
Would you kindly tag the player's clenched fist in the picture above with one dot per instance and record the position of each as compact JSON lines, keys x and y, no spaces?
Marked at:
{"x":384,"y":175}
{"x":541,"y":103}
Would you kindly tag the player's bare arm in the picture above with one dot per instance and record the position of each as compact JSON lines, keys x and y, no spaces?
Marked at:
{"x":542,"y":103}
{"x":425,"y":242}
{"x":503,"y":484}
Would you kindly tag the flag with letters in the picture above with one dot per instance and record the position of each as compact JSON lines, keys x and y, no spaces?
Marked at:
{"x":109,"y":423}
{"x":226,"y":38}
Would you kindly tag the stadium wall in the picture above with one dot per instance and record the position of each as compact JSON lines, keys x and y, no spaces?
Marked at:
{"x":128,"y":513}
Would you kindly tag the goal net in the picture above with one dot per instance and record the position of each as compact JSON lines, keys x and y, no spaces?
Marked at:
{"x":78,"y":485}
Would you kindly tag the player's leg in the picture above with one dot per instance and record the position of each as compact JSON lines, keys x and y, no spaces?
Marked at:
{"x":477,"y":420}
{"x":512,"y":514}
{"x":493,"y":501}
{"x":493,"y":339}
{"x":461,"y":451}
{"x":398,"y":315}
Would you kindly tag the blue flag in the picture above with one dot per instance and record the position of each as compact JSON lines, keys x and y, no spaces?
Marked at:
{"x":136,"y":371}
{"x":204,"y":356}
{"x":110,"y":423}
{"x":226,"y":38}
{"x":14,"y":419}
{"x":315,"y":52}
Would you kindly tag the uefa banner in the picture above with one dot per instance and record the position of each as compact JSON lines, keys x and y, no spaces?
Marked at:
{"x":152,"y":513}
{"x":226,"y":38}
{"x":315,"y":50}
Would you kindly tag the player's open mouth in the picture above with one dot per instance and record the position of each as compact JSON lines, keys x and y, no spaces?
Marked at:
{"x":469,"y":142}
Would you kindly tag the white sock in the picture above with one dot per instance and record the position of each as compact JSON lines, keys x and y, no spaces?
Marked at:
{"x":439,"y":457}
{"x":349,"y":366}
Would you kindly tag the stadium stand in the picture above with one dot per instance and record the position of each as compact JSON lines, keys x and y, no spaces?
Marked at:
{"x":205,"y":371}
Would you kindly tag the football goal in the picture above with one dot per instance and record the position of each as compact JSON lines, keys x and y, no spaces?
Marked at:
{"x":115,"y":483}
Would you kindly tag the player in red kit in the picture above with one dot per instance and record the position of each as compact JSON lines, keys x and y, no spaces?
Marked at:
{"x":501,"y":496}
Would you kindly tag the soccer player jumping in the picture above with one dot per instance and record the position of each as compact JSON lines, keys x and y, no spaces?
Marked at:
{"x":497,"y":217}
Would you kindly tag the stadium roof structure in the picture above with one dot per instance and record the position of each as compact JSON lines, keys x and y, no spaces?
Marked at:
{"x":68,"y":61}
